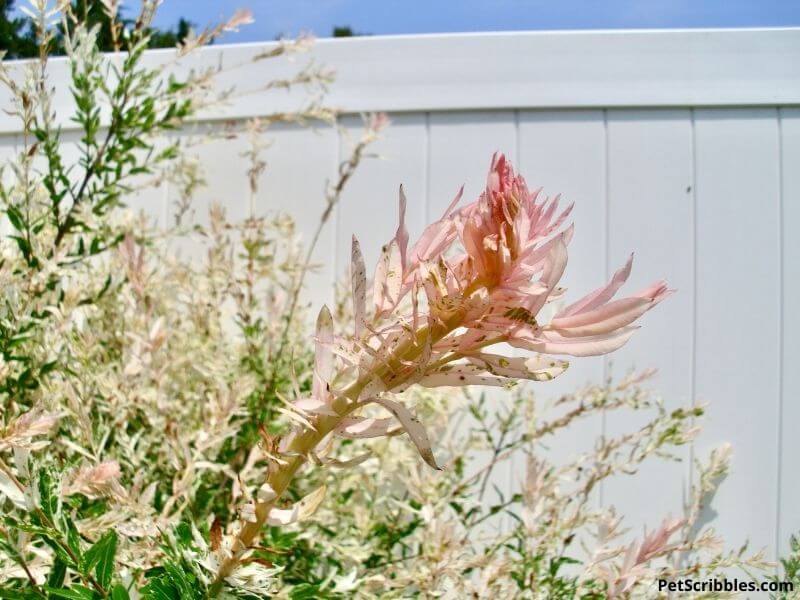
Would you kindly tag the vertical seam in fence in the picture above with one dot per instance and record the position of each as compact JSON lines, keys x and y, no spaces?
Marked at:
{"x":427,"y":170}
{"x":164,"y":189}
{"x":779,"y":483}
{"x":693,"y":350}
{"x":517,"y":161}
{"x":607,"y":249}
{"x":165,"y":202}
{"x":251,"y":195}
{"x":337,"y":159}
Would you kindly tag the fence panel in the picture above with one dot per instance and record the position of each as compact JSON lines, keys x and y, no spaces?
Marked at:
{"x":680,"y":145}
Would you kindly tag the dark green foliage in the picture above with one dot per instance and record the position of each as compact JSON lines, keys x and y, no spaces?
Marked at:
{"x":18,"y":38}
{"x":141,"y":105}
{"x":169,"y":38}
{"x":54,"y":524}
{"x":175,"y":579}
{"x":342,"y":31}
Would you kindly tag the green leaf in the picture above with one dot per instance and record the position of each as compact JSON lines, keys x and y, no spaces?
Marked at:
{"x":52,"y":541}
{"x":183,"y":533}
{"x":179,"y":580}
{"x":305,"y":591}
{"x":75,"y":592}
{"x":57,"y":572}
{"x":101,"y":557}
{"x":119,"y":593}
{"x":24,"y":246}
{"x":47,"y":367}
{"x":48,"y":496}
{"x":15,"y":218}
{"x":158,"y":589}
{"x":73,"y":537}
{"x":17,"y":594}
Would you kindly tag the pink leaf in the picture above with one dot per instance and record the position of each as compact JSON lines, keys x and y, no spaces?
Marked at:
{"x":600,"y":295}
{"x":604,"y":319}
{"x":553,"y":343}
{"x":323,"y":353}
{"x":358,"y":275}
{"x":401,"y":235}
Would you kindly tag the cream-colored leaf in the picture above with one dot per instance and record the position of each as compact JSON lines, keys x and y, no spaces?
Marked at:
{"x":374,"y":386}
{"x":299,"y":511}
{"x":461,"y":375}
{"x":414,"y":428}
{"x":9,"y":489}
{"x":538,"y":368}
{"x":265,"y":493}
{"x":343,"y":464}
{"x":388,"y":278}
{"x":364,"y":427}
{"x":358,"y":276}
{"x":313,"y":405}
{"x":295,"y":416}
{"x":323,"y":351}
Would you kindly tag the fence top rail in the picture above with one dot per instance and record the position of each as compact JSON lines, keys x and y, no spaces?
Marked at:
{"x":493,"y":71}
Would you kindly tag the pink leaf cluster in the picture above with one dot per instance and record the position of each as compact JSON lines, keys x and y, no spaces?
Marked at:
{"x":512,"y":252}
{"x":478,"y":276}
{"x":639,"y":553}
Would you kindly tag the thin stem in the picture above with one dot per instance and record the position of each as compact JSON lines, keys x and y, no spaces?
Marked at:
{"x":305,"y":442}
{"x":496,"y":450}
{"x":346,"y":171}
{"x":64,"y":226}
{"x":394,"y":561}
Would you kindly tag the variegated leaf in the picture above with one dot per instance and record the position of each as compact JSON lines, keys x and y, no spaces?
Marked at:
{"x":323,"y":352}
{"x":358,"y":276}
{"x":414,"y":428}
{"x":460,"y":375}
{"x":374,"y":387}
{"x":364,"y":427}
{"x":313,"y":405}
{"x":388,"y":278}
{"x":401,"y":235}
{"x":10,"y":490}
{"x":537,"y":368}
{"x":343,"y":464}
{"x":299,"y":511}
{"x":295,"y":416}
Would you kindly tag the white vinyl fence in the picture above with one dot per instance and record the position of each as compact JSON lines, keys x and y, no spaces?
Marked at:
{"x":683,"y":146}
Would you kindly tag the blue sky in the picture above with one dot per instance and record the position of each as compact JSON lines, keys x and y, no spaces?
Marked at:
{"x":288,"y":17}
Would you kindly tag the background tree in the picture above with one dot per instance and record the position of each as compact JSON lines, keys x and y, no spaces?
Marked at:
{"x":340,"y":31}
{"x":16,"y":34}
{"x":18,"y":38}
